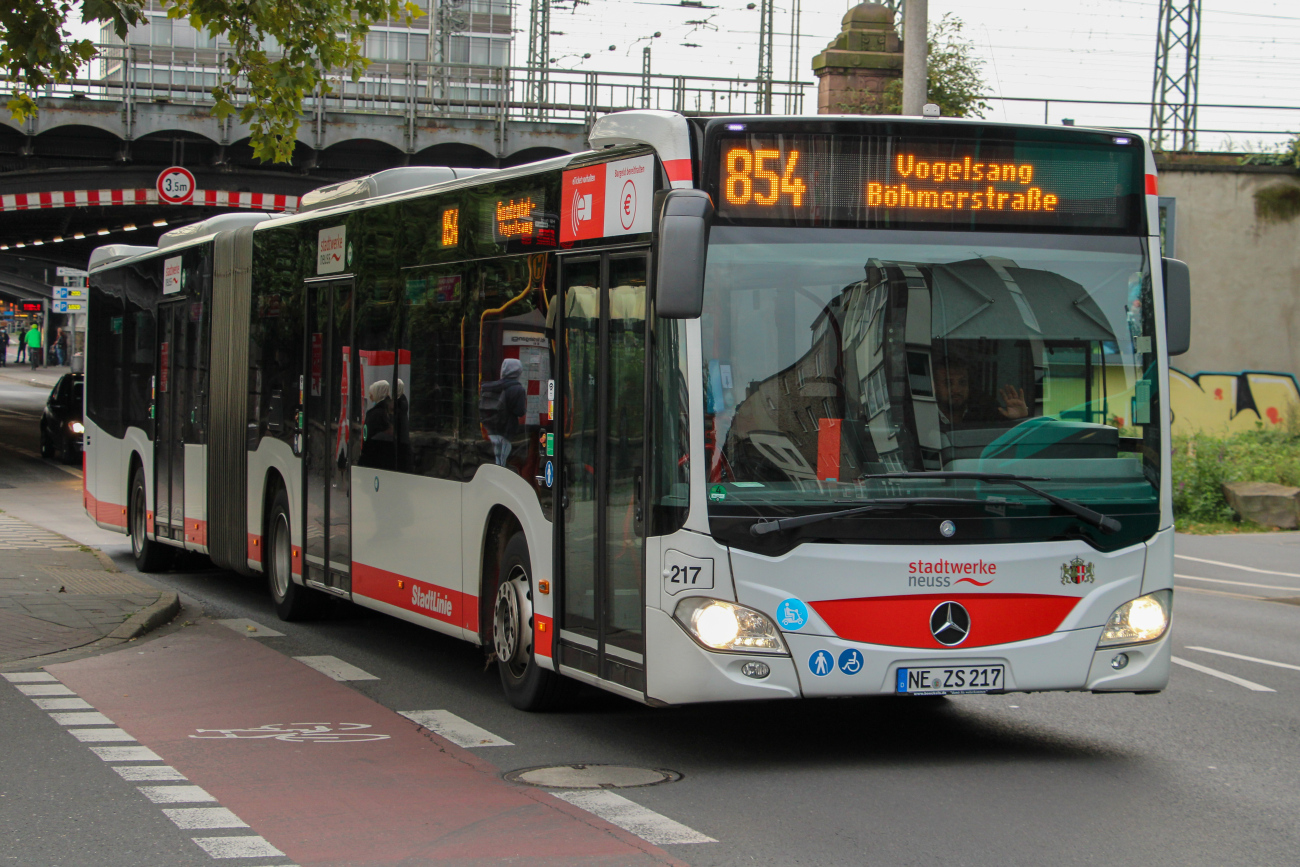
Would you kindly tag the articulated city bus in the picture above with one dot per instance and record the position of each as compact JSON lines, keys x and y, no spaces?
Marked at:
{"x":721,"y":409}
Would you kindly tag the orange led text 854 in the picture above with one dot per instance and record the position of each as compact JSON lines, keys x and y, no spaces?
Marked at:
{"x":752,"y":177}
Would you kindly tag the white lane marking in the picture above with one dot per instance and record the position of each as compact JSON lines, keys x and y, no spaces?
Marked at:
{"x":332,"y":666}
{"x":1238,"y":583}
{"x":30,"y":677}
{"x":237,"y":847}
{"x":44,"y":689}
{"x":150,"y":773}
{"x":1231,"y":678}
{"x":63,"y":704}
{"x":251,"y":628}
{"x":632,"y":817}
{"x":94,"y":736}
{"x":203,"y":818}
{"x":126,"y":754}
{"x":1247,"y":658}
{"x":176,"y":794}
{"x":1183,"y":588}
{"x":460,"y":732}
{"x":1242,"y":568}
{"x":82,"y":718}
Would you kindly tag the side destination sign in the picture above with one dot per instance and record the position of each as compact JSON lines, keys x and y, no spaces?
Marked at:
{"x":603,"y":201}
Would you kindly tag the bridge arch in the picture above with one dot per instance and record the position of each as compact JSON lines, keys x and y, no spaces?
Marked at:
{"x":532,"y":155}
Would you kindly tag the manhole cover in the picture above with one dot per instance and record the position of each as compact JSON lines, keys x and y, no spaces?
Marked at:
{"x":592,"y":777}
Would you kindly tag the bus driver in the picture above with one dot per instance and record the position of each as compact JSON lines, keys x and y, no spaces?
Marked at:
{"x":956,"y":407}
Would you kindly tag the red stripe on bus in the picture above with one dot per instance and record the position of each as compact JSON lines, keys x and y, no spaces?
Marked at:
{"x":1151,"y":185}
{"x":196,"y":532}
{"x":828,"y":450}
{"x":401,"y":591}
{"x":105,"y":513}
{"x":678,"y":170}
{"x":904,"y":621}
{"x":255,"y":548}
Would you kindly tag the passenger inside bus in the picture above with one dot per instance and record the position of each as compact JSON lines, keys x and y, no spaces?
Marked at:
{"x":959,"y":408}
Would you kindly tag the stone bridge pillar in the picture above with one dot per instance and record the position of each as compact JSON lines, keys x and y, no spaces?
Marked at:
{"x":859,"y":63}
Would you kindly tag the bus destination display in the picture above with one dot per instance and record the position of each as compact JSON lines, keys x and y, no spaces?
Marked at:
{"x":880,"y":181}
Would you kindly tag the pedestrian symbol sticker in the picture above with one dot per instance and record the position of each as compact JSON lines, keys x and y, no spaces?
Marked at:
{"x":821,"y":663}
{"x":851,"y":661}
{"x":792,"y":614}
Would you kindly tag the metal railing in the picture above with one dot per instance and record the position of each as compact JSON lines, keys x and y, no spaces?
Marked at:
{"x":421,"y":89}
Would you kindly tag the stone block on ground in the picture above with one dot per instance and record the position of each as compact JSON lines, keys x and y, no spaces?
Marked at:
{"x":1264,"y":503}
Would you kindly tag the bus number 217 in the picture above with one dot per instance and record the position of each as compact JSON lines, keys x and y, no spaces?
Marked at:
{"x":686,"y":575}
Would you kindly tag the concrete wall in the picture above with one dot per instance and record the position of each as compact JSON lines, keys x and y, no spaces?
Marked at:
{"x":1245,"y":273}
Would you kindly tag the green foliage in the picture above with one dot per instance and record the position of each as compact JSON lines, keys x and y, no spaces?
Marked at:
{"x":1202,"y":463}
{"x":315,"y":39}
{"x":35,"y":49}
{"x":1286,"y":155}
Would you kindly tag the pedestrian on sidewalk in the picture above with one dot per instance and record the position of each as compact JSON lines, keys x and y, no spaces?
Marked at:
{"x":22,"y":350}
{"x":61,"y":348}
{"x":4,"y":346}
{"x":34,"y":346}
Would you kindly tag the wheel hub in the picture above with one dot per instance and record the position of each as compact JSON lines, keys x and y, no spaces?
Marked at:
{"x":512,"y":635}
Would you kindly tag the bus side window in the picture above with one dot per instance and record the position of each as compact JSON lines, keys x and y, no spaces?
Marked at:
{"x":426,"y":412}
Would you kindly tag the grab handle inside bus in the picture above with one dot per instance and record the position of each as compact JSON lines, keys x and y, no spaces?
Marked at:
{"x":684,"y":220}
{"x":1178,"y":306}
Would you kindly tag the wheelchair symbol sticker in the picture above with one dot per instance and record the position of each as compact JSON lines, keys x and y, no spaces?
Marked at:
{"x":851,"y":661}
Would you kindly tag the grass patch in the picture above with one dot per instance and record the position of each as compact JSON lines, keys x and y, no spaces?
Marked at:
{"x":1202,"y":464}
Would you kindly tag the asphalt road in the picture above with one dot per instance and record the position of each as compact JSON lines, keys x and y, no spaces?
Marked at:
{"x":1204,"y":773}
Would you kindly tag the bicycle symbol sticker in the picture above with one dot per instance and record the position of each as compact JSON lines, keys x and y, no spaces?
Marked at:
{"x":298,"y":733}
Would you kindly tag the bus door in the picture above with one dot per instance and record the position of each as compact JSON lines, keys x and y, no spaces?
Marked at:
{"x":332,"y":435}
{"x":170,"y":403}
{"x":599,"y":547}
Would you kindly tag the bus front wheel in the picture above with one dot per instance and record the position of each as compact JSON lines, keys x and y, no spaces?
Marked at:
{"x":527,"y":685}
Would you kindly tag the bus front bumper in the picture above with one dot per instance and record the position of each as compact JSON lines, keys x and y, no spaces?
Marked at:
{"x":683,"y":672}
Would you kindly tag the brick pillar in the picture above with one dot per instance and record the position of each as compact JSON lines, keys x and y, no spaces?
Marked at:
{"x":859,"y":63}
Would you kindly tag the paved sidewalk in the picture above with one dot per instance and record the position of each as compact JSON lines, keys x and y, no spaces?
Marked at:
{"x":57,"y":595}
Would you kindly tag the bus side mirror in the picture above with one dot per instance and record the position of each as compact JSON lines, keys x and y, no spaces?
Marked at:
{"x":1178,"y":306}
{"x":684,"y":221}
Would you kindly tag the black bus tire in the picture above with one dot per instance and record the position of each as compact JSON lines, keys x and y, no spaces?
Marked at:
{"x":292,"y":601}
{"x":150,"y":555}
{"x":526,"y":684}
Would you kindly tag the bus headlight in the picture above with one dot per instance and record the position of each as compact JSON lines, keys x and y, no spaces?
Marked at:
{"x":1138,"y":620}
{"x":720,"y":625}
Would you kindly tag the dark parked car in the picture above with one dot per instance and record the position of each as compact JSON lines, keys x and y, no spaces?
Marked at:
{"x":61,"y":424}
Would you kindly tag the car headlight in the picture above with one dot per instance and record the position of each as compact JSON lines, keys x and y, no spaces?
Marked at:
{"x":77,"y":427}
{"x":1139,"y":620}
{"x":720,"y":625}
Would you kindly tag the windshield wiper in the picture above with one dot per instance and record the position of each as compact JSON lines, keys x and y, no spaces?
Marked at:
{"x":773,"y":525}
{"x":1088,"y":516}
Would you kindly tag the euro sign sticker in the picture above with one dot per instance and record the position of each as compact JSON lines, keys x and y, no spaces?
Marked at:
{"x":792,"y":614}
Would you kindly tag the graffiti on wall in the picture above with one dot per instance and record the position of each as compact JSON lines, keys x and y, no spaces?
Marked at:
{"x":1230,"y":403}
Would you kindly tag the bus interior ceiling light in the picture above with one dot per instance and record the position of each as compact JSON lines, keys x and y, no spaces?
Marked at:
{"x":736,"y":127}
{"x":1122,"y":140}
{"x":1138,"y":620}
{"x":160,"y":222}
{"x":721,"y":625}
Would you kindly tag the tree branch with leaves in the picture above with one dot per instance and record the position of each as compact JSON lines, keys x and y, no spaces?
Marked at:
{"x":314,"y":40}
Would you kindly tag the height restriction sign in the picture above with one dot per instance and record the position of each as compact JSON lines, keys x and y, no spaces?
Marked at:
{"x":175,"y":185}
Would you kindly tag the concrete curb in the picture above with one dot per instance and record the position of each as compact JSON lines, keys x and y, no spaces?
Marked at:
{"x":147,"y":619}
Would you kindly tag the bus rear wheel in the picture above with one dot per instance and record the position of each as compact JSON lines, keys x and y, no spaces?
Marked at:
{"x":150,"y":555}
{"x":292,"y":601}
{"x":527,"y":685}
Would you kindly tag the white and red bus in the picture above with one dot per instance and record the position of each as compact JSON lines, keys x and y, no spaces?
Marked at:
{"x":721,"y":409}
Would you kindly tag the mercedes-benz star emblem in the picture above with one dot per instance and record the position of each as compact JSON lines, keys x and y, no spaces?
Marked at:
{"x":950,"y":624}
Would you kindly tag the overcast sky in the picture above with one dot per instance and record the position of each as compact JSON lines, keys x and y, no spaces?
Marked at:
{"x":1087,"y":49}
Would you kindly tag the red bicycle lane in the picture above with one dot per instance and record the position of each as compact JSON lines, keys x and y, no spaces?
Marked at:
{"x":409,"y":798}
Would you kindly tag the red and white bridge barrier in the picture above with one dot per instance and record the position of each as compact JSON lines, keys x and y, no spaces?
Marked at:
{"x":145,"y":196}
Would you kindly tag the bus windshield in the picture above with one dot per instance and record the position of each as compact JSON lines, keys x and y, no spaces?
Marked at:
{"x":834,"y":357}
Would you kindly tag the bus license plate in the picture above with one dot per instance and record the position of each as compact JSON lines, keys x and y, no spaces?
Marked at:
{"x":950,"y":680}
